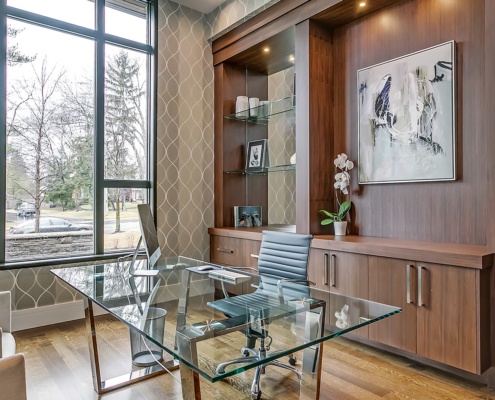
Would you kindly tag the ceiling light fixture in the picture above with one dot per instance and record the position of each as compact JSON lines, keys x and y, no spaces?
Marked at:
{"x":292,"y":58}
{"x":362,"y":4}
{"x":266,"y":49}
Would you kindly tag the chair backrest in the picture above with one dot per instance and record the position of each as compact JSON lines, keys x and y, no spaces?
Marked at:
{"x":283,"y":256}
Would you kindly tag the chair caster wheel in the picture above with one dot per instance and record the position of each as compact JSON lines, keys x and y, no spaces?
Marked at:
{"x":246,"y":353}
{"x":292,"y":361}
{"x":256,"y":396}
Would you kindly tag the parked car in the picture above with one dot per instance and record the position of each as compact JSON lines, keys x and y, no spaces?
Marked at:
{"x":26,"y":210}
{"x":49,"y":224}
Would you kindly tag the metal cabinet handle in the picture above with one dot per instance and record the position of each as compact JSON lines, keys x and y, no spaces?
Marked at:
{"x":325,"y":269}
{"x":255,"y":256}
{"x":408,"y":284}
{"x":221,"y":250}
{"x":333,"y":268}
{"x":420,"y":286}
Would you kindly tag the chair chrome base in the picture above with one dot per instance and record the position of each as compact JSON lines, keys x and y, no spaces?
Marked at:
{"x":258,"y":355}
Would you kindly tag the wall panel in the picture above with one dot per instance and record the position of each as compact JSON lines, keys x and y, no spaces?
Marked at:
{"x":434,"y":211}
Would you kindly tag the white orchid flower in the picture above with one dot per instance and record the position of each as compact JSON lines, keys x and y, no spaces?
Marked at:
{"x":342,"y":179}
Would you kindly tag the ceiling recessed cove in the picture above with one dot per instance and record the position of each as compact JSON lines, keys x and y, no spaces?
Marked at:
{"x":204,"y":6}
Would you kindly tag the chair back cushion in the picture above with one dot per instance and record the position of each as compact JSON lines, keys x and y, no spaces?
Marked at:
{"x":283,"y":256}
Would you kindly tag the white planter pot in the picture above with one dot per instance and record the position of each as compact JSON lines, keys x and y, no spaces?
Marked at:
{"x":340,"y":228}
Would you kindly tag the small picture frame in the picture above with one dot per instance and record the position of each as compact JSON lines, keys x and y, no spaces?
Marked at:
{"x":256,"y":155}
{"x":247,"y":216}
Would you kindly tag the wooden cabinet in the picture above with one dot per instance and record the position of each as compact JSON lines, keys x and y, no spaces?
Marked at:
{"x":443,"y":289}
{"x":439,"y":318}
{"x":342,"y":273}
{"x":389,"y":284}
{"x":339,"y":272}
{"x":447,"y":317}
{"x":226,"y":250}
{"x":236,"y":252}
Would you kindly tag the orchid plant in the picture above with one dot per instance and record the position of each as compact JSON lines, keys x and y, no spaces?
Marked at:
{"x":342,"y":181}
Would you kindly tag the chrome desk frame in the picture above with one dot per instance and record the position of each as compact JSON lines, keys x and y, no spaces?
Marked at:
{"x":186,"y":341}
{"x":123,"y":380}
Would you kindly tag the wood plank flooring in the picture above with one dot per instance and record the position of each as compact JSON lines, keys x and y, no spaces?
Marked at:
{"x":57,"y":367}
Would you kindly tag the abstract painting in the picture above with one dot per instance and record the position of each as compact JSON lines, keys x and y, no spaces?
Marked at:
{"x":406,"y":118}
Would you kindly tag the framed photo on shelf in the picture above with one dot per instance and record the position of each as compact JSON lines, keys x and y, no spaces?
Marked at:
{"x":256,"y":156}
{"x":247,"y":216}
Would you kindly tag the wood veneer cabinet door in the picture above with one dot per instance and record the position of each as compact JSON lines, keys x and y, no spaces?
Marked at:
{"x":226,"y":250}
{"x":343,"y":273}
{"x":319,"y":268}
{"x":389,"y":284}
{"x":447,"y":315}
{"x":339,"y":272}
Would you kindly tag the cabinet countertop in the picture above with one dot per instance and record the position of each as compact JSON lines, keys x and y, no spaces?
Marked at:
{"x":463,"y":255}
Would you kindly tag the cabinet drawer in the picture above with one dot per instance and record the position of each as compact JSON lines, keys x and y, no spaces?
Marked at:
{"x":226,"y":250}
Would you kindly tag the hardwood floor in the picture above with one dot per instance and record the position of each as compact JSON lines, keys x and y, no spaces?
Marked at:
{"x":57,"y":367}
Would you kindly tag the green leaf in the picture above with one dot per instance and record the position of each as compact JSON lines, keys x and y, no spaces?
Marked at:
{"x":327,"y":221}
{"x":329,"y":214}
{"x":343,"y":210}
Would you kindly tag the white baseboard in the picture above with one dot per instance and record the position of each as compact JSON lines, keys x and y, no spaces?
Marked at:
{"x":48,"y":315}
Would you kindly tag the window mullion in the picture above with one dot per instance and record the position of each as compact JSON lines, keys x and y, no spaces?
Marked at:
{"x":99,"y":141}
{"x":3,"y":125}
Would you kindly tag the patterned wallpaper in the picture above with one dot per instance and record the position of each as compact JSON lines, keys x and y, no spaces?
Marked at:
{"x":184,"y":148}
{"x":185,"y":132}
{"x":281,"y":145}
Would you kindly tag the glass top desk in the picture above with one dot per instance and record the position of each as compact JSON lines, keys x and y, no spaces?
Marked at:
{"x":198,"y":338}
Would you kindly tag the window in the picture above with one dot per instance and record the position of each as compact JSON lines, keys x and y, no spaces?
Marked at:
{"x":76,"y":128}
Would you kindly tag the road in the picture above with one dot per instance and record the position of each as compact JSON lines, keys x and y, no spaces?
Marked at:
{"x":126,"y":225}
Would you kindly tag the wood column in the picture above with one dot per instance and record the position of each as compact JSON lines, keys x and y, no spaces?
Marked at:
{"x":314,"y":122}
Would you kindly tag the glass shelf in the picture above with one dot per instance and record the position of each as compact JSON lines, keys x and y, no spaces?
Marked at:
{"x":263,"y":114}
{"x":275,"y":168}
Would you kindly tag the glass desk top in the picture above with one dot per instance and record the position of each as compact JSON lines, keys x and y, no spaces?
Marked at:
{"x":293,"y":317}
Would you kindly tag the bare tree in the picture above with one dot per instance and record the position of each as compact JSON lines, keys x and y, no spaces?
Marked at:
{"x":32,"y":130}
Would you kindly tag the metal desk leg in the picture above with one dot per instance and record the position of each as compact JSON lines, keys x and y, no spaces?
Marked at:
{"x":93,"y":346}
{"x":312,"y":356}
{"x":311,"y":373}
{"x":120,"y":381}
{"x":191,"y":389}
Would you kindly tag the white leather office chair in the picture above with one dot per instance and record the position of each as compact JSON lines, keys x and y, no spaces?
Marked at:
{"x":12,"y":366}
{"x":7,"y":341}
{"x":13,"y":378}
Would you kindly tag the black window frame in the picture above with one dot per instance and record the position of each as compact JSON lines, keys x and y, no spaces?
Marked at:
{"x":100,"y":183}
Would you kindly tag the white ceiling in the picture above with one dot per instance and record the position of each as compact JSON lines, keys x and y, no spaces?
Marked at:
{"x":204,"y":6}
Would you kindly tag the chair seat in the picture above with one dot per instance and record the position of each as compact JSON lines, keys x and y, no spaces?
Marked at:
{"x":8,"y":344}
{"x":259,"y":302}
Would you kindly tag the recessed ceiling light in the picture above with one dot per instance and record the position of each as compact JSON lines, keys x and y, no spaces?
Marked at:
{"x":292,"y":58}
{"x":362,"y":4}
{"x":266,"y":49}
